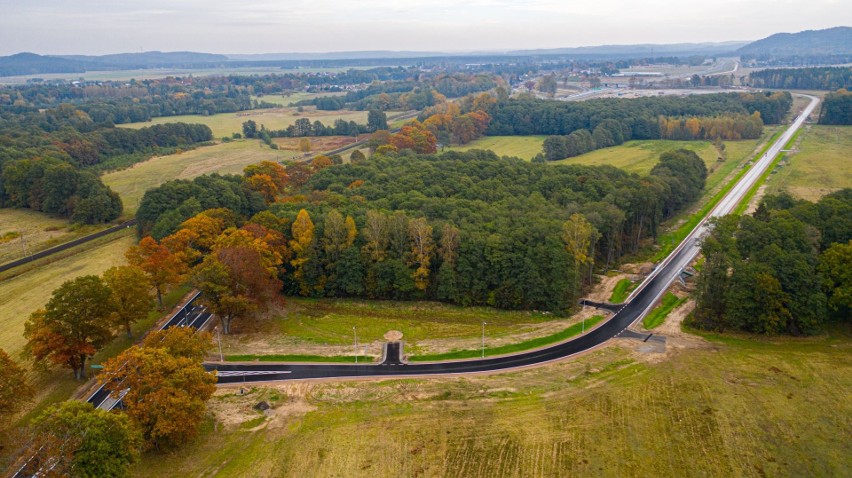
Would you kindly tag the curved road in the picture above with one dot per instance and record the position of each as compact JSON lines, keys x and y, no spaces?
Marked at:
{"x":637,"y":305}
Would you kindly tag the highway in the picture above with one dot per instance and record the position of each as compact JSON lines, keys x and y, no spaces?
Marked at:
{"x":635,"y":308}
{"x":190,"y":315}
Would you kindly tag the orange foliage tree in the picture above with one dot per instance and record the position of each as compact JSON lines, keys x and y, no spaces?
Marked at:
{"x":74,"y":324}
{"x":163,"y":267}
{"x":166,"y":386}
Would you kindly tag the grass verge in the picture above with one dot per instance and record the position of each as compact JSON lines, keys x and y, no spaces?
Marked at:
{"x":297,"y":358}
{"x":575,"y":329}
{"x":622,"y":289}
{"x":743,"y":204}
{"x":659,"y":314}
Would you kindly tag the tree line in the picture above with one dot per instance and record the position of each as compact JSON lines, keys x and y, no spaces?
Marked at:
{"x":817,"y":78}
{"x":837,"y":108}
{"x":612,"y":133}
{"x":467,"y":228}
{"x":784,"y":270}
{"x":639,"y":117}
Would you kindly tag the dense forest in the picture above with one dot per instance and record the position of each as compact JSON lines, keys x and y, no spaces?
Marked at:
{"x":639,"y":118}
{"x":783,"y":270}
{"x":820,"y":78}
{"x":468,"y":228}
{"x":837,"y":108}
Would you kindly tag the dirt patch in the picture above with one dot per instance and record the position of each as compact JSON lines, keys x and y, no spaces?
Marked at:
{"x":603,"y":290}
{"x":676,"y":339}
{"x":393,"y":336}
{"x":233,"y":406}
{"x":318,"y":143}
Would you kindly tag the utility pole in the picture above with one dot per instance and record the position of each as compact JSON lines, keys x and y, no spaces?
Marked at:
{"x":355,"y":333}
{"x":483,"y":339}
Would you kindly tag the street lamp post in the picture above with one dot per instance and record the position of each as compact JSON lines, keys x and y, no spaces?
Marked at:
{"x":483,"y":339}
{"x":355,"y":333}
{"x":219,"y":339}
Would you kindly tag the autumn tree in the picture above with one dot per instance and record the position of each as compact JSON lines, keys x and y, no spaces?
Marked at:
{"x":302,"y":247}
{"x":180,"y":342}
{"x":422,"y":248}
{"x":15,"y":391}
{"x":75,"y":439}
{"x":73,"y":326}
{"x":166,"y":394}
{"x":162,"y":267}
{"x":579,"y":236}
{"x":276,"y":172}
{"x":219,"y":293}
{"x":416,"y":137}
{"x":305,"y":145}
{"x":263,"y":184}
{"x":130,"y":295}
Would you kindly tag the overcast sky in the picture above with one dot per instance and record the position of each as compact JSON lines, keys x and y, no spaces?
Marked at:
{"x":265,"y":26}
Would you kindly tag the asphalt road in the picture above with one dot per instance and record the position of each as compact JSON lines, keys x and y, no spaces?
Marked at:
{"x":637,"y":306}
{"x":191,"y":314}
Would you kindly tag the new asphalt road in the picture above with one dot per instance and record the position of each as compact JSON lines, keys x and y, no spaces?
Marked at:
{"x":637,"y":305}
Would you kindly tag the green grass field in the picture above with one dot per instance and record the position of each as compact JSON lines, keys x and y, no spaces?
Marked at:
{"x":524,"y":147}
{"x":560,"y":336}
{"x":286,"y":100}
{"x":735,"y":407}
{"x":24,"y":293}
{"x":225,"y":124}
{"x":640,"y":156}
{"x":224,"y":158}
{"x":325,"y":327}
{"x":823,"y":164}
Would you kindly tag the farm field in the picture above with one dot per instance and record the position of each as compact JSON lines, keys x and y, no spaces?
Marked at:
{"x":24,"y":293}
{"x":225,"y":124}
{"x":285,"y":100}
{"x":325,"y":327}
{"x":318,"y":143}
{"x":27,"y":231}
{"x":640,"y":156}
{"x":524,"y":147}
{"x":225,"y":158}
{"x":724,"y":407}
{"x":822,"y":165}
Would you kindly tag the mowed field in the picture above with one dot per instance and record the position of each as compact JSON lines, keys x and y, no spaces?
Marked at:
{"x":524,"y":147}
{"x":32,"y":231}
{"x":225,"y":124}
{"x":822,"y":164}
{"x":730,"y":407}
{"x":640,"y":156}
{"x":286,"y":100}
{"x":24,"y":293}
{"x":224,"y":158}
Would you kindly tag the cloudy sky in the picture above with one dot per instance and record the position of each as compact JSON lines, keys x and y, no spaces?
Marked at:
{"x":264,"y":26}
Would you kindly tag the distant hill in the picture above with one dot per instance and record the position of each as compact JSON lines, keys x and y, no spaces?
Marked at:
{"x":33,"y":64}
{"x":643,"y":50}
{"x":811,"y":43}
{"x":150,"y":59}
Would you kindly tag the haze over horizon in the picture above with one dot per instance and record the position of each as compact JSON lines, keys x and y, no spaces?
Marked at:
{"x":215,"y":26}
